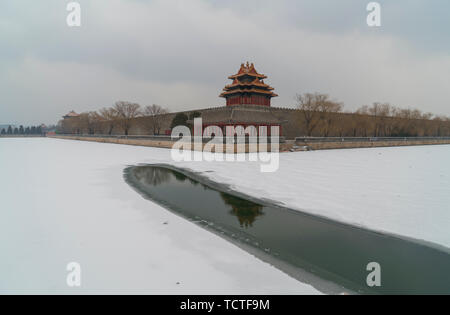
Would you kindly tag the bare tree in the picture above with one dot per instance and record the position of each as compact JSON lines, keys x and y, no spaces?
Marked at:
{"x":440,"y":123}
{"x":363,"y":121}
{"x":126,"y":112}
{"x":155,"y":112}
{"x":387,"y":120}
{"x":379,"y":113}
{"x":89,"y":122}
{"x":109,"y":116}
{"x":318,"y":109}
{"x":309,"y":104}
{"x":328,"y":110}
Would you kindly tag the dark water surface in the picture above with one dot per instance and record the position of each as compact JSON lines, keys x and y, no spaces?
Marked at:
{"x":329,"y":255}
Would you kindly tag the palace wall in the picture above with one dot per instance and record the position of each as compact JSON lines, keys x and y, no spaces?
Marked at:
{"x":291,"y":126}
{"x":294,"y":125}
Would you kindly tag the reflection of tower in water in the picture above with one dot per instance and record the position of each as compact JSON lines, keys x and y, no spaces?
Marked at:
{"x":246,"y":211}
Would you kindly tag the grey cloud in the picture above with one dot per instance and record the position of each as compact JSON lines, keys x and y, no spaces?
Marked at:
{"x":179,"y":53}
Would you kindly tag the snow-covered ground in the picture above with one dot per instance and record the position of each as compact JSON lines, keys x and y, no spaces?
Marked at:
{"x":64,"y":201}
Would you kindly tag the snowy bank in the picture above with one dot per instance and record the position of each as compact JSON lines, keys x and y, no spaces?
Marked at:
{"x":66,"y":201}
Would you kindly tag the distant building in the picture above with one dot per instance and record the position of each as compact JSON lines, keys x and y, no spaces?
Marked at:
{"x":70,"y":124}
{"x":71,"y":114}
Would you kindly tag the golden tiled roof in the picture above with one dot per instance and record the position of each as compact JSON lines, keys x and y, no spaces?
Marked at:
{"x":247,"y":70}
{"x":248,"y":80}
{"x":255,"y":82}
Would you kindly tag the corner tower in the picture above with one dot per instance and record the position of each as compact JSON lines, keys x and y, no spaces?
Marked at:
{"x":248,"y":88}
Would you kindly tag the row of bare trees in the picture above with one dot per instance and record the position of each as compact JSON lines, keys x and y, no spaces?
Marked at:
{"x":317,"y":110}
{"x":325,"y":117}
{"x":318,"y":115}
{"x":121,"y":116}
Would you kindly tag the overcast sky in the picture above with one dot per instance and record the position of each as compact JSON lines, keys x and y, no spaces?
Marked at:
{"x":179,"y":53}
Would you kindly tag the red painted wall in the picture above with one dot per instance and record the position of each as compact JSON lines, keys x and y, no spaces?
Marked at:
{"x":253,"y":99}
